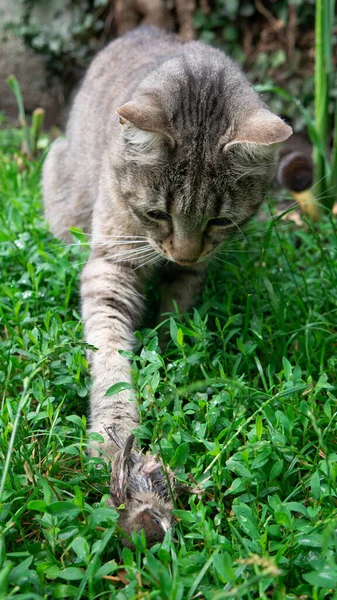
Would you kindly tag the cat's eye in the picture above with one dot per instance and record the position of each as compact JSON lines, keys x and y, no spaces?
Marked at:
{"x":156,"y":215}
{"x":219,"y":222}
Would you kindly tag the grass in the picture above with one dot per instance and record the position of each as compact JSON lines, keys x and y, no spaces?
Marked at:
{"x":243,"y":399}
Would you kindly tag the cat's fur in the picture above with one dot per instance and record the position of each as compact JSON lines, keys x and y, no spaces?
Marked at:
{"x":163,"y":138}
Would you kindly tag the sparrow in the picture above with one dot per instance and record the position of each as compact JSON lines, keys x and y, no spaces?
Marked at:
{"x":140,"y":491}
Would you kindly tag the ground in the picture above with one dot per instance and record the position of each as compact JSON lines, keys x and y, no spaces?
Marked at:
{"x":242,"y":402}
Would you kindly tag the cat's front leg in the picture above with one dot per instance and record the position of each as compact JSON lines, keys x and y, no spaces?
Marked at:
{"x":111,"y":306}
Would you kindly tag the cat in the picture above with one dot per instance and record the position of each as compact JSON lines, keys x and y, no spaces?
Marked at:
{"x":168,"y":150}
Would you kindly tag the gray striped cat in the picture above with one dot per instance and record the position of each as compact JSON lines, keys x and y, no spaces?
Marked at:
{"x":168,"y":151}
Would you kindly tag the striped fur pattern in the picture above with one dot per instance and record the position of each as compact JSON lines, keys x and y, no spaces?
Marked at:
{"x":168,"y":150}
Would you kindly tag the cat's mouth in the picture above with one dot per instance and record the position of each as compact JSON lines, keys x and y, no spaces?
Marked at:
{"x":184,"y":262}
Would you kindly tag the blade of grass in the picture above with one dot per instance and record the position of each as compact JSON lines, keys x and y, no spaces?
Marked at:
{"x":321,"y":91}
{"x":37,"y":124}
{"x":15,"y":87}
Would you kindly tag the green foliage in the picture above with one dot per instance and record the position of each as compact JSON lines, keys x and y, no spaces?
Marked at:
{"x":318,"y":125}
{"x":242,"y":402}
{"x":69,"y":34}
{"x":30,"y":134}
{"x":261,"y":46}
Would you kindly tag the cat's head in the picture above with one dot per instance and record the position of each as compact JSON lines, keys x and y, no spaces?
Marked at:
{"x":198,"y":152}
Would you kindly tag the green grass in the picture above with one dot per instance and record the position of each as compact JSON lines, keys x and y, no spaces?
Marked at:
{"x":243,"y":399}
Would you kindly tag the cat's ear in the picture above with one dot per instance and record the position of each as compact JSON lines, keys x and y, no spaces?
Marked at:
{"x":144,"y":115}
{"x":261,"y":130}
{"x":144,"y":129}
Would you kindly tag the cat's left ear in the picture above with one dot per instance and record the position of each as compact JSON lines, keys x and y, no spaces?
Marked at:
{"x":261,"y":129}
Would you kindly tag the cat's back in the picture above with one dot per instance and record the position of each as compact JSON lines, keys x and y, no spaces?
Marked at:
{"x":116,"y":72}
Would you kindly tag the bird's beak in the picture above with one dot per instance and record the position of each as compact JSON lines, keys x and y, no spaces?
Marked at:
{"x":164,"y":526}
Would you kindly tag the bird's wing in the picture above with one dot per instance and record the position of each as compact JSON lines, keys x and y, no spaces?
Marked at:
{"x":126,"y":460}
{"x":160,"y":480}
{"x":120,"y":473}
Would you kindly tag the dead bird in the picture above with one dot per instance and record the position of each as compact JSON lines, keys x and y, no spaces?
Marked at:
{"x":139,"y":483}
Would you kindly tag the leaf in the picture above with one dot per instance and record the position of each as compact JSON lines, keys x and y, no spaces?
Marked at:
{"x":79,"y":235}
{"x":180,"y":338}
{"x":103,"y":515}
{"x":118,"y":387}
{"x":159,"y":573}
{"x":184,"y":516}
{"x":4,"y":577}
{"x":73,"y":450}
{"x":238,"y":468}
{"x":223,"y":566}
{"x":246,"y":520}
{"x":60,"y":592}
{"x":106,"y":569}
{"x":174,"y":331}
{"x":259,"y":427}
{"x":326,"y":578}
{"x":95,"y":437}
{"x":236,"y":486}
{"x":298,"y":507}
{"x":276,"y":470}
{"x":63,"y":509}
{"x":76,"y":420}
{"x":39,"y":505}
{"x":315,"y":486}
{"x":128,"y":557}
{"x":283,"y":517}
{"x":71,"y":574}
{"x":312,"y":540}
{"x":287,"y":368}
{"x":20,"y":570}
{"x":81,"y":548}
{"x":181,"y":455}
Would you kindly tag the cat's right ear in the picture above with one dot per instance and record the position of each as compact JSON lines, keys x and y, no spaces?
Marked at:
{"x":144,"y":115}
{"x":144,"y":128}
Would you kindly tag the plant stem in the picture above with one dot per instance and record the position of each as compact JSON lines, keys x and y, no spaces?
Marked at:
{"x":320,"y":96}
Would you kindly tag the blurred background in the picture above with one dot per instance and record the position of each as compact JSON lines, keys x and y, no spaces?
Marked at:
{"x":48,"y":44}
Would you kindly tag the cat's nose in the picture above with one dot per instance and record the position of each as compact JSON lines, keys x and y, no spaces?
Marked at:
{"x":183,"y":248}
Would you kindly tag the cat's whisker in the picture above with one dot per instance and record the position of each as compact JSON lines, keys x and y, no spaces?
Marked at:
{"x":129,"y":250}
{"x":217,"y":258}
{"x":129,"y":254}
{"x":245,"y":170}
{"x":318,"y":182}
{"x":112,"y":243}
{"x":126,"y":257}
{"x":236,"y":225}
{"x":121,"y":240}
{"x":234,"y":251}
{"x":149,"y":262}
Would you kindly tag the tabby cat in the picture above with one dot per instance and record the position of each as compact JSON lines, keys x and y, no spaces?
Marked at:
{"x":168,"y":150}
